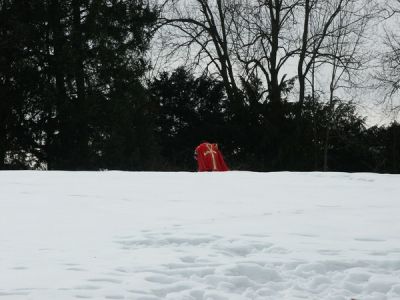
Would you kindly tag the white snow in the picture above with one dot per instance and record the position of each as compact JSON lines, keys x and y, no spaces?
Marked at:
{"x":211,"y":236}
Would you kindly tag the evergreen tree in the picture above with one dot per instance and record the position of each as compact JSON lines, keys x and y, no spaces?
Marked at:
{"x":187,"y":111}
{"x":67,"y":69}
{"x":105,"y":43}
{"x":22,"y":37}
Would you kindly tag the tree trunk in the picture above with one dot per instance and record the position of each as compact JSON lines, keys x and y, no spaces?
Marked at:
{"x":4,"y":108}
{"x":274,"y":90}
{"x":314,"y":123}
{"x":330,"y":113}
{"x":326,"y":145}
{"x":81,"y":130}
{"x":2,"y":144}
{"x":300,"y":72}
{"x":56,"y":145}
{"x":394,"y":148}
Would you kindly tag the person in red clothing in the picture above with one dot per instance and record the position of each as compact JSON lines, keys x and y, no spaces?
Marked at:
{"x":209,"y":158}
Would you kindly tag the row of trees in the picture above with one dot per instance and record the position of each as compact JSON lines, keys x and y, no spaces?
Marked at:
{"x":265,"y":79}
{"x":264,"y":136}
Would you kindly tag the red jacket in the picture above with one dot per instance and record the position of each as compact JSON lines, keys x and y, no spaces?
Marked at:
{"x":209,"y":158}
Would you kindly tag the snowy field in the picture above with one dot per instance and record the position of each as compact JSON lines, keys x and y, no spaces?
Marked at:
{"x":183,"y":236}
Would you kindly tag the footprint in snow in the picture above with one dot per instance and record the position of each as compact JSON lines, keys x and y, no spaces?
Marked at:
{"x":305,"y":235}
{"x":255,"y":235}
{"x":14,"y":293}
{"x":83,"y":297}
{"x":87,"y":287}
{"x":117,"y":297}
{"x":172,"y":288}
{"x":76,"y":269}
{"x":20,"y":268}
{"x":78,"y":195}
{"x":188,"y":259}
{"x":328,"y":252}
{"x":365,"y":179}
{"x":163,"y":279}
{"x":369,"y":239}
{"x":107,"y":280}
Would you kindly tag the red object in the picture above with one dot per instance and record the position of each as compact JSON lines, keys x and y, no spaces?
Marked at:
{"x":209,"y":158}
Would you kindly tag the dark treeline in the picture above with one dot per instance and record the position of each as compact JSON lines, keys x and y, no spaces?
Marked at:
{"x":262,"y":135}
{"x":71,"y":90}
{"x":73,"y":97}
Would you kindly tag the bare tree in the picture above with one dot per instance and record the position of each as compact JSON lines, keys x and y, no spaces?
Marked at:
{"x":346,"y":56}
{"x":204,"y":28}
{"x":320,"y":14}
{"x":232,"y":38}
{"x":263,"y":40}
{"x":388,"y":75}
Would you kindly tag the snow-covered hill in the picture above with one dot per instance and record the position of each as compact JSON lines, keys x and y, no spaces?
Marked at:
{"x":233,"y":235}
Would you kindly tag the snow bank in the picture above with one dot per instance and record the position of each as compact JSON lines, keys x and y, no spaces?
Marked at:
{"x":233,"y":235}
